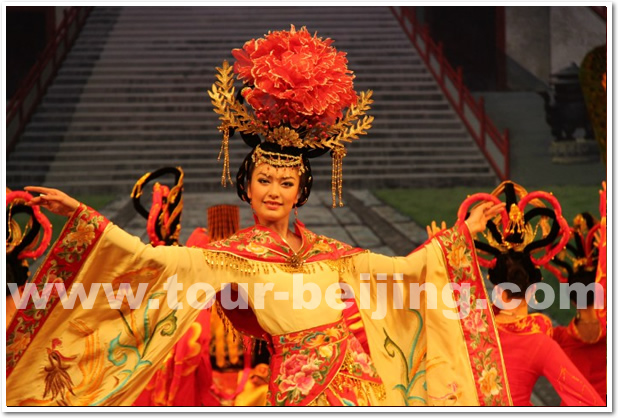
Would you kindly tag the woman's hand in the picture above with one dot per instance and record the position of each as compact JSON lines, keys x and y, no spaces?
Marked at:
{"x":480,"y":214}
{"x":433,"y":229}
{"x":53,"y":200}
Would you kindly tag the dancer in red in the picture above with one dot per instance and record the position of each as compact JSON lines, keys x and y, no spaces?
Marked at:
{"x":584,"y":339}
{"x":513,"y":251}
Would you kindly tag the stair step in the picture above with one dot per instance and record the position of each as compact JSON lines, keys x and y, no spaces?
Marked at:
{"x":179,"y":96}
{"x":141,"y":45}
{"x":145,"y":53}
{"x":76,"y":159}
{"x":201,"y":88}
{"x":44,"y":151}
{"x":171,"y":125}
{"x":205,"y":61}
{"x":129,"y":118}
{"x":196,"y":84}
{"x":368,"y":80}
{"x":206,"y":108}
{"x":95,"y":157}
{"x":173,"y":134}
{"x":210,"y":70}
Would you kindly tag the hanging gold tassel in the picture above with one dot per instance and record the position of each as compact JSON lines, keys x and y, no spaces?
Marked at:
{"x":225,"y":151}
{"x":218,"y":332}
{"x":337,"y":175}
{"x":225,"y":338}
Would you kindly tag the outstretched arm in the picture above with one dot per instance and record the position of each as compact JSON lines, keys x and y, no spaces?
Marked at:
{"x":477,"y":221}
{"x":567,"y":380}
{"x":53,"y":200}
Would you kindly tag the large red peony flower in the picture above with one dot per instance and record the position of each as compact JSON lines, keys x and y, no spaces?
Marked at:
{"x":295,"y":78}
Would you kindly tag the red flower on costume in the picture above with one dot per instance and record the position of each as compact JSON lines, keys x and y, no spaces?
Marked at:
{"x":297,"y":373}
{"x":295,"y":78}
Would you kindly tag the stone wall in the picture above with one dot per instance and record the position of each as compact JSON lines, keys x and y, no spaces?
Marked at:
{"x":542,"y":40}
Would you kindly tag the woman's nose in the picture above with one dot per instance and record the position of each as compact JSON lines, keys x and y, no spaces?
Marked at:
{"x":273,"y":190}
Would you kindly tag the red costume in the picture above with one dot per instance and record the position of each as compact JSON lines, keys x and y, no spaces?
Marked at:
{"x":530,"y":352}
{"x":590,"y":358}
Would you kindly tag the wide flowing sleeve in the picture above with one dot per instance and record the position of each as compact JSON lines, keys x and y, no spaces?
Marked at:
{"x":430,"y":329}
{"x":125,"y":306}
{"x":572,"y":387}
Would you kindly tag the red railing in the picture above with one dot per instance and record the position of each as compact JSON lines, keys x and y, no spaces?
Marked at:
{"x":31,"y":91}
{"x":493,"y":144}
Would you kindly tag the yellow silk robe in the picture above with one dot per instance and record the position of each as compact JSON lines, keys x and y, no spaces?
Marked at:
{"x":104,"y":355}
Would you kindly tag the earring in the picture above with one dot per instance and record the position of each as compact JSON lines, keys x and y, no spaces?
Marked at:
{"x":295,"y":213}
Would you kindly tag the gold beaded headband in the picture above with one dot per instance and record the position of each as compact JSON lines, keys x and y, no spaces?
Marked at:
{"x":277,"y":159}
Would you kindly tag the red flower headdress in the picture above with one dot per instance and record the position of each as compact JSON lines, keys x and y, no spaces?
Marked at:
{"x":540,"y":231}
{"x":28,"y":241}
{"x":28,"y":236}
{"x":163,"y":218}
{"x":297,"y":87}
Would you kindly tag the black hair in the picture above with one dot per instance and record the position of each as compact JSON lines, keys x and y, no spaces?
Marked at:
{"x":517,"y":268}
{"x":16,"y":272}
{"x":584,"y":277}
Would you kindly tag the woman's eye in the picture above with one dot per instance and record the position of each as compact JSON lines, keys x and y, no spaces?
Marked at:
{"x":288,"y":184}
{"x":263,"y":181}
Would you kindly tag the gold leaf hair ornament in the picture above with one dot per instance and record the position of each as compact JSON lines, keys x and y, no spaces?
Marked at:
{"x":539,"y":231}
{"x":297,"y":94}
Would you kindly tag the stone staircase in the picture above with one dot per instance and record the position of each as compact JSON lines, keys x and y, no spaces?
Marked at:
{"x":132,"y":97}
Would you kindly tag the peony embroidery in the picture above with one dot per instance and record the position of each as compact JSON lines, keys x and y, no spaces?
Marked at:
{"x":256,"y":249}
{"x":362,"y":359}
{"x":82,"y":236}
{"x":326,"y":351}
{"x":296,"y":373}
{"x":489,"y":382}
{"x":362,"y":362}
{"x":458,"y":256}
{"x":475,"y":322}
{"x":295,"y":79}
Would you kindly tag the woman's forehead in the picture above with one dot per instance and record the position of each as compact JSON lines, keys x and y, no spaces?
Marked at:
{"x":277,"y":172}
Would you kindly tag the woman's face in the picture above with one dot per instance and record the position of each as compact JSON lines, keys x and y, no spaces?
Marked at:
{"x":273,"y":193}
